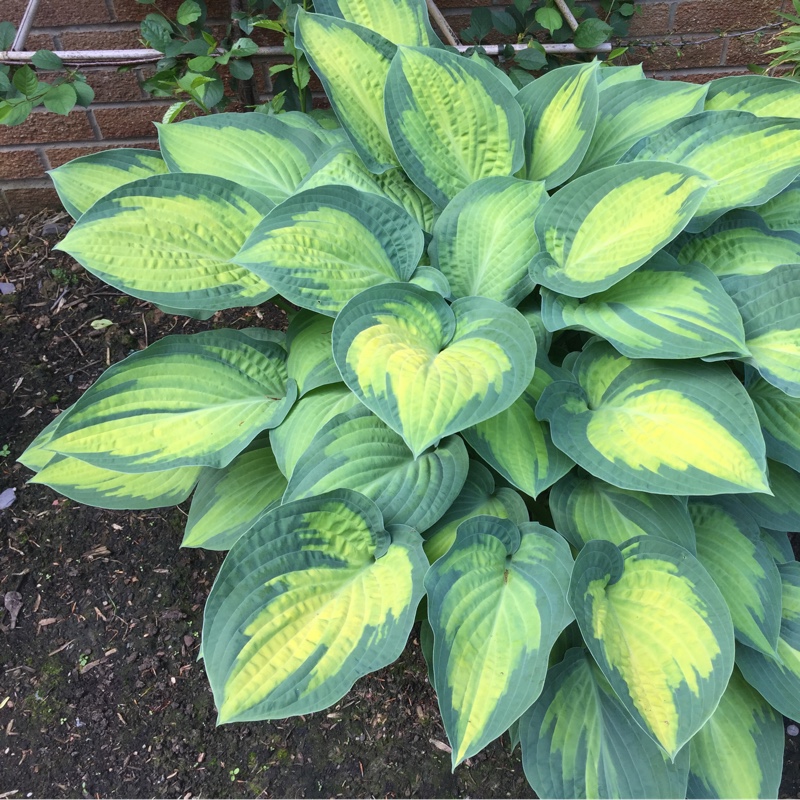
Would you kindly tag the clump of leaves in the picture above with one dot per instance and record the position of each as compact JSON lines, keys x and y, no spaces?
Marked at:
{"x":786,"y":53}
{"x":544,"y":375}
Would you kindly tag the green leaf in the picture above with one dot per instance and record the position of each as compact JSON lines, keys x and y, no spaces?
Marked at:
{"x":779,"y":416}
{"x":137,"y":239}
{"x":586,"y":250}
{"x":532,"y":58}
{"x":739,"y":751}
{"x":243,"y":48}
{"x":399,"y":21}
{"x":184,"y":401}
{"x":352,"y":62}
{"x":770,"y":307}
{"x":782,"y":213}
{"x":778,"y":544}
{"x":201,"y":63}
{"x":308,"y":416}
{"x":729,"y":546}
{"x":781,"y":510}
{"x":84,"y":94}
{"x":497,"y":601}
{"x":7,"y":33}
{"x":578,"y":740}
{"x":80,"y":183}
{"x":316,"y":595}
{"x":560,"y":111}
{"x":591,"y":33}
{"x":750,"y":159}
{"x":608,"y":76}
{"x":484,"y":239}
{"x":228,"y":501}
{"x":659,"y":630}
{"x":549,"y":18}
{"x":189,"y":11}
{"x":46,"y":60}
{"x":310,"y":360}
{"x":451,"y":121}
{"x":241,"y":70}
{"x":323,"y":246}
{"x":663,"y":310}
{"x":25,"y":81}
{"x":356,"y":450}
{"x":756,"y":94}
{"x":586,"y":509}
{"x":428,"y":369}
{"x":738,"y":243}
{"x":60,"y":99}
{"x":657,"y":426}
{"x":479,"y":497}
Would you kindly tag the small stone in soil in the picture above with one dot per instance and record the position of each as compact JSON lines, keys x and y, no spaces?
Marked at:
{"x":792,"y":730}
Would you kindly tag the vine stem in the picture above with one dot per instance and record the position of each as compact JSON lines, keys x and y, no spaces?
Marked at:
{"x":567,"y":14}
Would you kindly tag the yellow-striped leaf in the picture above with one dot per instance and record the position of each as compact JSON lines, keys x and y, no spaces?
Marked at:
{"x":310,"y":360}
{"x":314,"y":596}
{"x":228,"y":501}
{"x":739,"y":751}
{"x":484,"y":239}
{"x":663,"y":310}
{"x":757,"y":94}
{"x":660,"y":631}
{"x":750,"y":159}
{"x":36,"y":455}
{"x":782,"y":213}
{"x":608,"y":76}
{"x":778,"y":544}
{"x":428,"y":369}
{"x":560,"y":111}
{"x":770,"y":307}
{"x":632,"y":110}
{"x":356,"y":450}
{"x":323,"y":246}
{"x":451,"y":122}
{"x":781,"y":510}
{"x":323,"y":123}
{"x":352,"y":62}
{"x":80,"y":183}
{"x":184,"y":401}
{"x":170,"y":239}
{"x":657,"y":426}
{"x":779,"y":416}
{"x":496,"y":602}
{"x":586,"y":250}
{"x":578,"y":740}
{"x":729,"y":546}
{"x":585,"y":509}
{"x":432,"y":280}
{"x":479,"y":497}
{"x":399,"y":21}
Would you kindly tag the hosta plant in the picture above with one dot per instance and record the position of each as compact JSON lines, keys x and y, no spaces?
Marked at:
{"x":541,"y":391}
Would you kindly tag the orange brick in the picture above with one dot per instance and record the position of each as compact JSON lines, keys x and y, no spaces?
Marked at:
{"x":18,"y":164}
{"x":652,"y":19}
{"x":744,"y":50}
{"x":61,"y":155}
{"x":42,"y":127}
{"x":54,"y":13}
{"x":131,"y":11}
{"x":685,"y":56}
{"x":130,"y":122}
{"x":707,"y":16}
{"x":30,"y":199}
{"x":111,"y":86}
{"x":101,"y":40}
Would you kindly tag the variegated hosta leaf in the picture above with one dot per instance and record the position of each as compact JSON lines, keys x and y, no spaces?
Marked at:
{"x":560,"y":111}
{"x":293,"y":436}
{"x":254,"y":150}
{"x":352,"y":62}
{"x":184,"y":401}
{"x":342,"y":166}
{"x":451,"y":121}
{"x":663,"y":310}
{"x":632,"y":110}
{"x":400,"y":21}
{"x":531,"y":309}
{"x":778,"y":544}
{"x":517,"y":444}
{"x":356,"y":450}
{"x":36,"y":455}
{"x":750,"y":159}
{"x":781,"y":510}
{"x":104,"y":488}
{"x":310,"y":360}
{"x":170,"y":239}
{"x":585,"y":509}
{"x":779,"y":416}
{"x":314,"y":596}
{"x":778,"y":679}
{"x":782,"y":213}
{"x":739,"y":751}
{"x":484,"y":239}
{"x":738,"y":243}
{"x":660,"y":631}
{"x":80,"y":183}
{"x":578,"y":740}
{"x":496,"y":602}
{"x":586,"y":250}
{"x":323,"y":123}
{"x":478,"y":497}
{"x":428,"y":369}
{"x":770,"y":307}
{"x":323,"y":246}
{"x":654,"y":426}
{"x":432,"y":280}
{"x":757,"y":94}
{"x":228,"y":501}
{"x":612,"y":76}
{"x":729,"y":546}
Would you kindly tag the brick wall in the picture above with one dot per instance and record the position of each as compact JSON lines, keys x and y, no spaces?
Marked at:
{"x":673,"y":38}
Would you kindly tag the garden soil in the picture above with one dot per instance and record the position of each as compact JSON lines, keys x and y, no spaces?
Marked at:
{"x":101,"y":693}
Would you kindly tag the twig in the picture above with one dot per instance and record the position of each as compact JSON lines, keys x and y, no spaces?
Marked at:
{"x":567,"y":14}
{"x":442,"y":24}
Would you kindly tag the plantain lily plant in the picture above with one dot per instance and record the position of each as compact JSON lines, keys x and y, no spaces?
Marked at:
{"x":544,"y":377}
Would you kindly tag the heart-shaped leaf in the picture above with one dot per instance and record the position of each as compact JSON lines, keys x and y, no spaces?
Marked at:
{"x":756,"y":94}
{"x":400,"y":21}
{"x":310,"y":360}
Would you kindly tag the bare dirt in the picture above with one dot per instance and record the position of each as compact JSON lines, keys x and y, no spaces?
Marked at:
{"x":101,"y":694}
